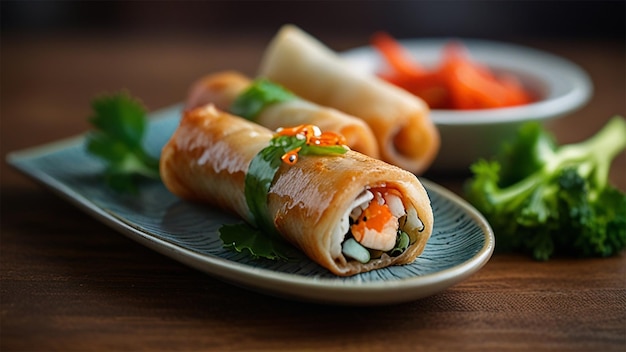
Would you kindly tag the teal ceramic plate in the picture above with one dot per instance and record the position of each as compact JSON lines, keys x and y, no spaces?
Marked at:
{"x":461,"y":243}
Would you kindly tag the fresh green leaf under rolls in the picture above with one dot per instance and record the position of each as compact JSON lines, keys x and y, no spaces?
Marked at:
{"x":246,"y":239}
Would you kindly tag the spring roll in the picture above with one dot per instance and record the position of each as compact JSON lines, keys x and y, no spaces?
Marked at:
{"x":223,"y":88}
{"x":348,"y":212}
{"x":406,"y":135}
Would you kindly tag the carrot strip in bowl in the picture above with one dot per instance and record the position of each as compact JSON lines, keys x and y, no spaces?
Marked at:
{"x":396,"y":55}
{"x":456,"y":83}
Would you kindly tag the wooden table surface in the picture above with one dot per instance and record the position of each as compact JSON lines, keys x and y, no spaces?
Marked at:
{"x":69,"y":283}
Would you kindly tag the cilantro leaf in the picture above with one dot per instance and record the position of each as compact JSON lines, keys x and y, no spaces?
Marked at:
{"x":119,"y":116}
{"x":120,"y":123}
{"x":257,"y":97}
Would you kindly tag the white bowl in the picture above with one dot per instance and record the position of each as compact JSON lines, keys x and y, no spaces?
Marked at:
{"x":467,"y":135}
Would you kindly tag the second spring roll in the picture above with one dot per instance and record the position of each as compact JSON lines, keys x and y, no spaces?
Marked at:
{"x":225,"y":89}
{"x":401,"y":122}
{"x":346,"y":211}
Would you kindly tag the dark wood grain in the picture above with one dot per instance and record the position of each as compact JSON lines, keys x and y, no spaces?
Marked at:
{"x":69,"y":283}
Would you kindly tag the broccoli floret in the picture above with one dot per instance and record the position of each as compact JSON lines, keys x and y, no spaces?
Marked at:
{"x":546,"y":199}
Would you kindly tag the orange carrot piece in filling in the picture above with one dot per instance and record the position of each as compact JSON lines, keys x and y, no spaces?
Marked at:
{"x":374,"y":217}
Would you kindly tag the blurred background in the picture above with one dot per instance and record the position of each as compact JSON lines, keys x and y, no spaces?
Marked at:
{"x":485,"y":19}
{"x":56,"y":55}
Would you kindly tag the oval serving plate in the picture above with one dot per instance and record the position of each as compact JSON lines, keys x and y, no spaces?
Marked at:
{"x":461,"y":243}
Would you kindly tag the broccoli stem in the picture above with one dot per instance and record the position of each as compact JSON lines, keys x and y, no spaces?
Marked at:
{"x":517,"y":193}
{"x":592,"y":158}
{"x":595,"y":154}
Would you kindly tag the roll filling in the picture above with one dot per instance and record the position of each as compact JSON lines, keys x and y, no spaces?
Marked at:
{"x":377,"y":223}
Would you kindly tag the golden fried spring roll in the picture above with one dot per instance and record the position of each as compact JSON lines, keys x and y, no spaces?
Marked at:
{"x":401,"y":122}
{"x":320,"y":204}
{"x":223,"y":88}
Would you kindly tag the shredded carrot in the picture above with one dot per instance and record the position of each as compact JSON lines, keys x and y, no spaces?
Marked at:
{"x":457,"y":83}
{"x":312,"y":136}
{"x":306,"y":131}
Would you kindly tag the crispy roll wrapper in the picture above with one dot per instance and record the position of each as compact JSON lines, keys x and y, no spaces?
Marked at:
{"x":406,"y":135}
{"x":222,"y":88}
{"x":309,"y":202}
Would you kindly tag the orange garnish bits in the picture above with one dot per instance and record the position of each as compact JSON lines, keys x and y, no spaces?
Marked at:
{"x":458,"y":83}
{"x":301,"y":130}
{"x":291,"y":157}
{"x":327,"y":139}
{"x":313,"y":136}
